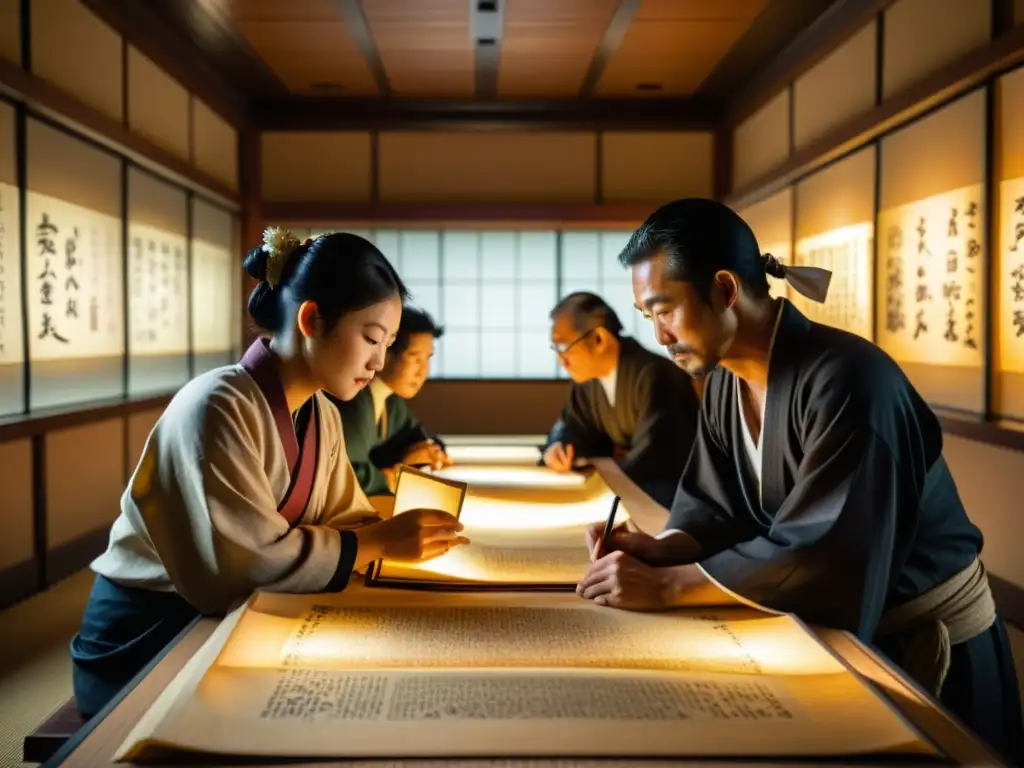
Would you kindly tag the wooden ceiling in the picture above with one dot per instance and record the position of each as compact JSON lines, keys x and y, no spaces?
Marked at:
{"x":321,"y":64}
{"x":543,"y":49}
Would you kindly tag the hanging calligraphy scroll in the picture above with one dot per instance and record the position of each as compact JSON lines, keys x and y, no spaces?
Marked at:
{"x":1010,"y":281}
{"x":76,"y":305}
{"x":213,"y":320}
{"x":931,"y":275}
{"x":158,"y":291}
{"x":847,"y":253}
{"x":12,"y":347}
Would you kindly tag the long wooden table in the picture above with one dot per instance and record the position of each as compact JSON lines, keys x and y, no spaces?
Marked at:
{"x":95,"y":745}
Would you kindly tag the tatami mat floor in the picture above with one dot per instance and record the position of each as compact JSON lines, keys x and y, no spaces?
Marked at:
{"x":35,"y":671}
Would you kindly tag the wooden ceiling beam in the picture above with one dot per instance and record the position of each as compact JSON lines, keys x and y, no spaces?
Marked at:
{"x":815,"y":29}
{"x":610,"y":42}
{"x":355,"y":19}
{"x":176,"y":55}
{"x":686,"y":114}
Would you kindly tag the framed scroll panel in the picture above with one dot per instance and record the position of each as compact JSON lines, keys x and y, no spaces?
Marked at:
{"x":932,"y":252}
{"x":158,"y":322}
{"x":771,"y":220}
{"x":1008,"y":285}
{"x":12,"y":326}
{"x":214,"y":336}
{"x":835,"y":230}
{"x":74,"y":280}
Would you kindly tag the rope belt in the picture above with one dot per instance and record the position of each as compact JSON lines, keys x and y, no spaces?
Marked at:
{"x":957,"y":610}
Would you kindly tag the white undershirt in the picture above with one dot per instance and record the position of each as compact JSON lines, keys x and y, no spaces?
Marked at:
{"x":379,"y":393}
{"x":608,"y":382}
{"x":752,"y":449}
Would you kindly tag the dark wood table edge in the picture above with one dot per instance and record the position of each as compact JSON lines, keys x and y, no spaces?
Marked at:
{"x":90,"y":725}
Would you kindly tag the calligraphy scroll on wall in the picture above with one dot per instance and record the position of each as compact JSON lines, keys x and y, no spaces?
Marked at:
{"x":1010,"y":280}
{"x":932,"y":249}
{"x":834,"y":230}
{"x":847,"y":254}
{"x":931,"y":278}
{"x":75,"y":299}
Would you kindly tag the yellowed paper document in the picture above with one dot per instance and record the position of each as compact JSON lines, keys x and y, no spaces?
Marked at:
{"x":382,"y":673}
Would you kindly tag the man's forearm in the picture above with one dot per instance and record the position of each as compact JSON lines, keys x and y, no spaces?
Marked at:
{"x":687,"y":585}
{"x":672,"y":547}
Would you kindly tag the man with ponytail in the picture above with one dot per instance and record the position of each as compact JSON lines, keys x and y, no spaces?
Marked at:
{"x":816,"y":485}
{"x":232,"y":494}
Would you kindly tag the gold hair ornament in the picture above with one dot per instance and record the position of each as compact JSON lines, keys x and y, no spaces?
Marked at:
{"x":279,"y":244}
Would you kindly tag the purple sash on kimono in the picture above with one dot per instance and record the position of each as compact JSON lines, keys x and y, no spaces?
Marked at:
{"x":259,"y":363}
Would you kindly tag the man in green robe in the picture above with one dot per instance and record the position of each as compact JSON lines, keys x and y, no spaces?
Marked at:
{"x":380,"y":431}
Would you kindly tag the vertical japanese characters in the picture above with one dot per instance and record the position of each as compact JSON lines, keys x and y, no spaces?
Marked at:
{"x":846,"y":253}
{"x":75,"y":277}
{"x":931,"y":256}
{"x":158,"y":299}
{"x":1010,"y":282}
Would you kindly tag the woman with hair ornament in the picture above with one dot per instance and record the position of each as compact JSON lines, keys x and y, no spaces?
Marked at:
{"x":232,"y":493}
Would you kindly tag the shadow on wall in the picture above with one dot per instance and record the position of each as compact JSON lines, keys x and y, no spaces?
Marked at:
{"x":490,"y":407}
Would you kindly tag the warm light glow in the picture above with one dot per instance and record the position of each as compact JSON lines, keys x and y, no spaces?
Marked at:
{"x":518,"y":528}
{"x":847,"y":253}
{"x":157,"y":290}
{"x":1010,"y":285}
{"x":403,"y":634}
{"x":212,"y":280}
{"x":417,"y":490}
{"x":12,"y":346}
{"x":487,"y":441}
{"x":74,"y":277}
{"x":493,"y":454}
{"x":512,"y":476}
{"x":931,"y":267}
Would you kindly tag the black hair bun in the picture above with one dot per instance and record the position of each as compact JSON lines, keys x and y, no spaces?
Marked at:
{"x":255,"y":263}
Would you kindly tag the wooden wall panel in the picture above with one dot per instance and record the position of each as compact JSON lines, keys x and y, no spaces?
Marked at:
{"x":839,"y":87}
{"x":8,"y":164}
{"x":215,"y":144}
{"x":771,"y":220}
{"x":1018,"y":11}
{"x":487,"y":167}
{"x":325,"y":167}
{"x":17,"y":542}
{"x":923,"y":35}
{"x":656,"y":167}
{"x":62,"y":166}
{"x":77,"y":52}
{"x":490,"y":407}
{"x":840,"y":196}
{"x":10,"y":30}
{"x":157,"y":105}
{"x":762,"y":141}
{"x":83,"y":484}
{"x":983,"y":475}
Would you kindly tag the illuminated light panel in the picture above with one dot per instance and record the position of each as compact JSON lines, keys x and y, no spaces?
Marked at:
{"x":931,"y":273}
{"x":493,"y":454}
{"x":847,"y":253}
{"x":512,"y":477}
{"x":1010,"y":284}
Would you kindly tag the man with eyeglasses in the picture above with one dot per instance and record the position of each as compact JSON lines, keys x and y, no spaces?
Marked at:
{"x":625,"y":401}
